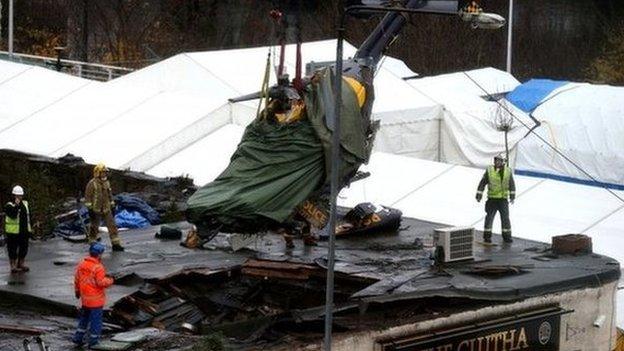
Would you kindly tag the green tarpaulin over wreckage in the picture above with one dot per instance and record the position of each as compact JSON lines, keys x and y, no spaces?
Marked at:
{"x":278,"y":166}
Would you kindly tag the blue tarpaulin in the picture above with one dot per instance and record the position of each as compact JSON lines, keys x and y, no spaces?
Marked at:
{"x":130,"y":219}
{"x":529,"y":95}
{"x":130,"y":212}
{"x":77,"y":226}
{"x":133,"y":203}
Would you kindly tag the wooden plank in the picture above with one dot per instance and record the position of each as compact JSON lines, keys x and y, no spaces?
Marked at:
{"x":278,"y":265}
{"x":143,"y":304}
{"x":268,"y":273}
{"x":19,"y":329}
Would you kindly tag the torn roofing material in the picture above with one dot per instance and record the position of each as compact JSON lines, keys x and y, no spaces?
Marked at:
{"x":375,"y":268}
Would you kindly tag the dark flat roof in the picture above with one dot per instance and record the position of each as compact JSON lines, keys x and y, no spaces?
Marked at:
{"x":396,"y":261}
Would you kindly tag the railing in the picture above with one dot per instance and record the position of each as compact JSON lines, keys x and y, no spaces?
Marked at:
{"x":86,"y":70}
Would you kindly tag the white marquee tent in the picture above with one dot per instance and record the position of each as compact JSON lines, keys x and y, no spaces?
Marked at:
{"x":584,"y":121}
{"x":142,"y":120}
{"x":468,"y":135}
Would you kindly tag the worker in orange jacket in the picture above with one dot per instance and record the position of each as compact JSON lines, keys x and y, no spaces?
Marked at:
{"x":90,"y":282}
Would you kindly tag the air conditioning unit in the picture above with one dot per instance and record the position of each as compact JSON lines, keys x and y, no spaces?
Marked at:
{"x":454,"y":243}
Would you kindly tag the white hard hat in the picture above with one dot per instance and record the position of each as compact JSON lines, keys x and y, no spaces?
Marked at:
{"x":18,"y":190}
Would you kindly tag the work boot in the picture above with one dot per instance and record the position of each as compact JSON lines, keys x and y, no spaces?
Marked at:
{"x":309,"y":240}
{"x":487,"y":240}
{"x":289,"y":240}
{"x":118,"y":247}
{"x":21,"y":266}
{"x":78,"y":342}
{"x":14,"y":268}
{"x":93,"y":343}
{"x":508,"y":239}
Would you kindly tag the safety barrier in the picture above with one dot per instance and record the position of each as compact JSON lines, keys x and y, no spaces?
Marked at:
{"x":86,"y":70}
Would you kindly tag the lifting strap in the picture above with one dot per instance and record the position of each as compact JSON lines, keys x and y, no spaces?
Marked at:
{"x":264,"y":89}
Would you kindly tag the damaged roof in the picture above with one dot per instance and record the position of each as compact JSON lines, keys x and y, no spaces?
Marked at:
{"x":395,"y":264}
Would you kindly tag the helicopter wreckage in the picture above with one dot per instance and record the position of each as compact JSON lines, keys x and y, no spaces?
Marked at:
{"x":279,"y":176}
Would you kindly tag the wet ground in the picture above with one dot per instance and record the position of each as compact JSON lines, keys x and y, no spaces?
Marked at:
{"x":58,"y":329}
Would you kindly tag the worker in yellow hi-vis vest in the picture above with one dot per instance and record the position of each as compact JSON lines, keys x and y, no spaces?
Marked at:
{"x":99,"y":201}
{"x":17,"y":229}
{"x":501,"y":186}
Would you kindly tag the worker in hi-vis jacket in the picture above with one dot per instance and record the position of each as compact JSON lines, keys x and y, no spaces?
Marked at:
{"x":501,"y":186}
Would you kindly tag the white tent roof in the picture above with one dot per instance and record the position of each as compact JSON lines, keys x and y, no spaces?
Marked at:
{"x":144,"y":118}
{"x":10,"y":70}
{"x":448,"y":88}
{"x":25,"y":90}
{"x":243,"y":70}
{"x":205,"y":159}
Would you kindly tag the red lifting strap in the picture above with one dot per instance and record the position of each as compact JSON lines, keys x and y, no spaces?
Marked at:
{"x":297,"y":82}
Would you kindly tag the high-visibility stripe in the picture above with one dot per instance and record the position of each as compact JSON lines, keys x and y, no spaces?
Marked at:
{"x":96,"y":194}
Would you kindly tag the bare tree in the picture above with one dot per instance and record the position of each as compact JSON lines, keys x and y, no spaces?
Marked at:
{"x":503,"y":121}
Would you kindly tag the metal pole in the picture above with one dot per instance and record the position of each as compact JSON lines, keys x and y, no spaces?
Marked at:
{"x":335,"y":157}
{"x":510,"y":36}
{"x":10,"y":28}
{"x":506,"y":147}
{"x":335,"y":175}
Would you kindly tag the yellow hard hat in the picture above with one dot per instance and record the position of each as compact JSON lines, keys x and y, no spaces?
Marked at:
{"x":99,"y":169}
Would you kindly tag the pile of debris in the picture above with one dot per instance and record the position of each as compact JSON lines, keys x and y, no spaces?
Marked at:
{"x":256,"y":302}
{"x":55,"y":188}
{"x":155,"y":307}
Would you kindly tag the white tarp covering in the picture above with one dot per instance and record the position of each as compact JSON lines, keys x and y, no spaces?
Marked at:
{"x":205,"y":159}
{"x":415,"y":132}
{"x":144,"y":118}
{"x":25,"y":90}
{"x":586,"y":123}
{"x":76,"y":116}
{"x":444,"y":87}
{"x":409,"y":120}
{"x":468,"y":135}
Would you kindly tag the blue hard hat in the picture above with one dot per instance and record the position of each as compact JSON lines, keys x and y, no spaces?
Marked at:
{"x":96,"y":249}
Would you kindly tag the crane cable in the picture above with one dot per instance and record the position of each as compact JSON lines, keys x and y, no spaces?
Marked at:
{"x":554,"y":148}
{"x":264,"y":89}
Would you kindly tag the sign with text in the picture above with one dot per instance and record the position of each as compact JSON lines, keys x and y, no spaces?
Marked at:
{"x":530,"y":331}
